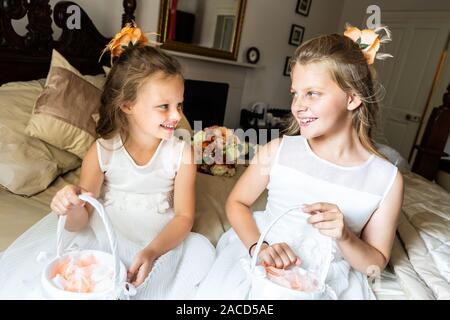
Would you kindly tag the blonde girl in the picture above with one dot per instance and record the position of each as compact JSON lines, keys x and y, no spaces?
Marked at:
{"x":328,"y":165}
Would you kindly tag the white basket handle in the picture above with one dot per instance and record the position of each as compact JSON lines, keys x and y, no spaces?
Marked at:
{"x":328,"y":290}
{"x":265,"y":232}
{"x":109,"y":230}
{"x":263,"y":235}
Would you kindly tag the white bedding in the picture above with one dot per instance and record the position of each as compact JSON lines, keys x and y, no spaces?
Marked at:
{"x":424,"y":230}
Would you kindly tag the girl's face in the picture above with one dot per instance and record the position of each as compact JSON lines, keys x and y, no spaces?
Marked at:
{"x":318,"y":104}
{"x":158,"y":107}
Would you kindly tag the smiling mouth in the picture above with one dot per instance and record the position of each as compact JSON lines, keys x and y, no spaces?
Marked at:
{"x":305,"y":121}
{"x":169,"y":126}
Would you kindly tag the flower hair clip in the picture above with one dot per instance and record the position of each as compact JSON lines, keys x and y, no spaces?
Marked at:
{"x":369,"y":41}
{"x":129,"y":36}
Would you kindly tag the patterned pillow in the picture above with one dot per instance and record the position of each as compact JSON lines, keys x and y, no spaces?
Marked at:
{"x":63,"y":113}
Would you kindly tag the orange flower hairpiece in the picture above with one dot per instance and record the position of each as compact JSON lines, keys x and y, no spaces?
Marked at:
{"x":369,"y":41}
{"x":129,"y":36}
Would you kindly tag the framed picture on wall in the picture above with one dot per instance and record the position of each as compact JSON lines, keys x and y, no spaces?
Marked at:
{"x":296,"y":36}
{"x":287,"y":67}
{"x":303,"y":7}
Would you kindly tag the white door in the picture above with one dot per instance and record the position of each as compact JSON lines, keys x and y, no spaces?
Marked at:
{"x":418,"y":39}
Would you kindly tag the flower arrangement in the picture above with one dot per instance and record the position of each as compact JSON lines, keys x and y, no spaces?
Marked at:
{"x":218,"y":150}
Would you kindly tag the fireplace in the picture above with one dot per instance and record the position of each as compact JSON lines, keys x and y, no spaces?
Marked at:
{"x":205,"y":101}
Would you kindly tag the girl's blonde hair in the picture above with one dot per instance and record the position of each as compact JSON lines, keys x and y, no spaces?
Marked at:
{"x":128,"y":74}
{"x":349,"y":70}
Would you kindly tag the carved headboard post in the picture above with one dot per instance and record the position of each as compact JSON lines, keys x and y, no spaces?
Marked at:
{"x":27,"y":57}
{"x":11,"y":10}
{"x":129,"y":6}
{"x":431,"y":149}
{"x":39,"y":36}
{"x":81,"y":46}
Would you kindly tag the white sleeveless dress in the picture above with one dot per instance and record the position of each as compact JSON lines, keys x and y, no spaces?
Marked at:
{"x":298,"y":176}
{"x":139,"y":203}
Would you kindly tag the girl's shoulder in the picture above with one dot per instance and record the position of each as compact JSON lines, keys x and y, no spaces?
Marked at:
{"x":171,"y":153}
{"x":383,"y":163}
{"x":106,"y":149}
{"x":110,"y":143}
{"x":267,"y":154}
{"x":274,"y":147}
{"x":270,"y":149}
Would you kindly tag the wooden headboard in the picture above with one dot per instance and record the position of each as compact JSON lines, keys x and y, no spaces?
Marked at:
{"x":431,"y":149}
{"x":28,"y":57}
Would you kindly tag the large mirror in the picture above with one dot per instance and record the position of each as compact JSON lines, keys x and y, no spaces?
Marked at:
{"x":204,"y":27}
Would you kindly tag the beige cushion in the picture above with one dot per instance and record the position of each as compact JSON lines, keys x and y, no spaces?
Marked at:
{"x":63,"y":113}
{"x":211,"y":194}
{"x":27,"y":165}
{"x":59,"y":61}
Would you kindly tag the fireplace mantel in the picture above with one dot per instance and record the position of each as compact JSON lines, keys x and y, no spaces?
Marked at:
{"x":209,"y":59}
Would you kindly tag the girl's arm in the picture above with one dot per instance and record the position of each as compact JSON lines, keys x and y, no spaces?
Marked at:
{"x":378,"y":234}
{"x":66,"y":200}
{"x":184,"y":206}
{"x":370,"y":253}
{"x":247,"y":189}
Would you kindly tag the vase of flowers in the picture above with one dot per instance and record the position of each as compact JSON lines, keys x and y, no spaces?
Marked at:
{"x":218,"y":150}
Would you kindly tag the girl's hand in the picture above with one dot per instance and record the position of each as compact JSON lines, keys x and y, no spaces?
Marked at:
{"x":278,"y":255}
{"x":141,"y":267}
{"x":328,"y":219}
{"x":67,"y":198}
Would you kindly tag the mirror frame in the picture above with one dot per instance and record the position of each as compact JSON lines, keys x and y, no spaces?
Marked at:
{"x":195,"y":49}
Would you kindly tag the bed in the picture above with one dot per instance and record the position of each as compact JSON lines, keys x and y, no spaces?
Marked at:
{"x":420,"y":264}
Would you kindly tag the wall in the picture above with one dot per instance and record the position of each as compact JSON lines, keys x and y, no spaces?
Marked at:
{"x":267,"y":26}
{"x":354,"y":12}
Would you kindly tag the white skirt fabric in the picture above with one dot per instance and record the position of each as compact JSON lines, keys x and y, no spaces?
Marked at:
{"x":228,"y":279}
{"x":175,"y":275}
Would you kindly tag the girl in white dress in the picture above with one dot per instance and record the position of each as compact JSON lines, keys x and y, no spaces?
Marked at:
{"x":145,"y":178}
{"x":348,"y":190}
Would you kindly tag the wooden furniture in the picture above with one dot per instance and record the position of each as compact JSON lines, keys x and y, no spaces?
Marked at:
{"x":431,"y":149}
{"x":267,"y":132}
{"x":28,"y":57}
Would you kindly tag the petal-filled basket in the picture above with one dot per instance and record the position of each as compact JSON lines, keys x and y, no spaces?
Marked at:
{"x":86,"y":274}
{"x":299,"y":282}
